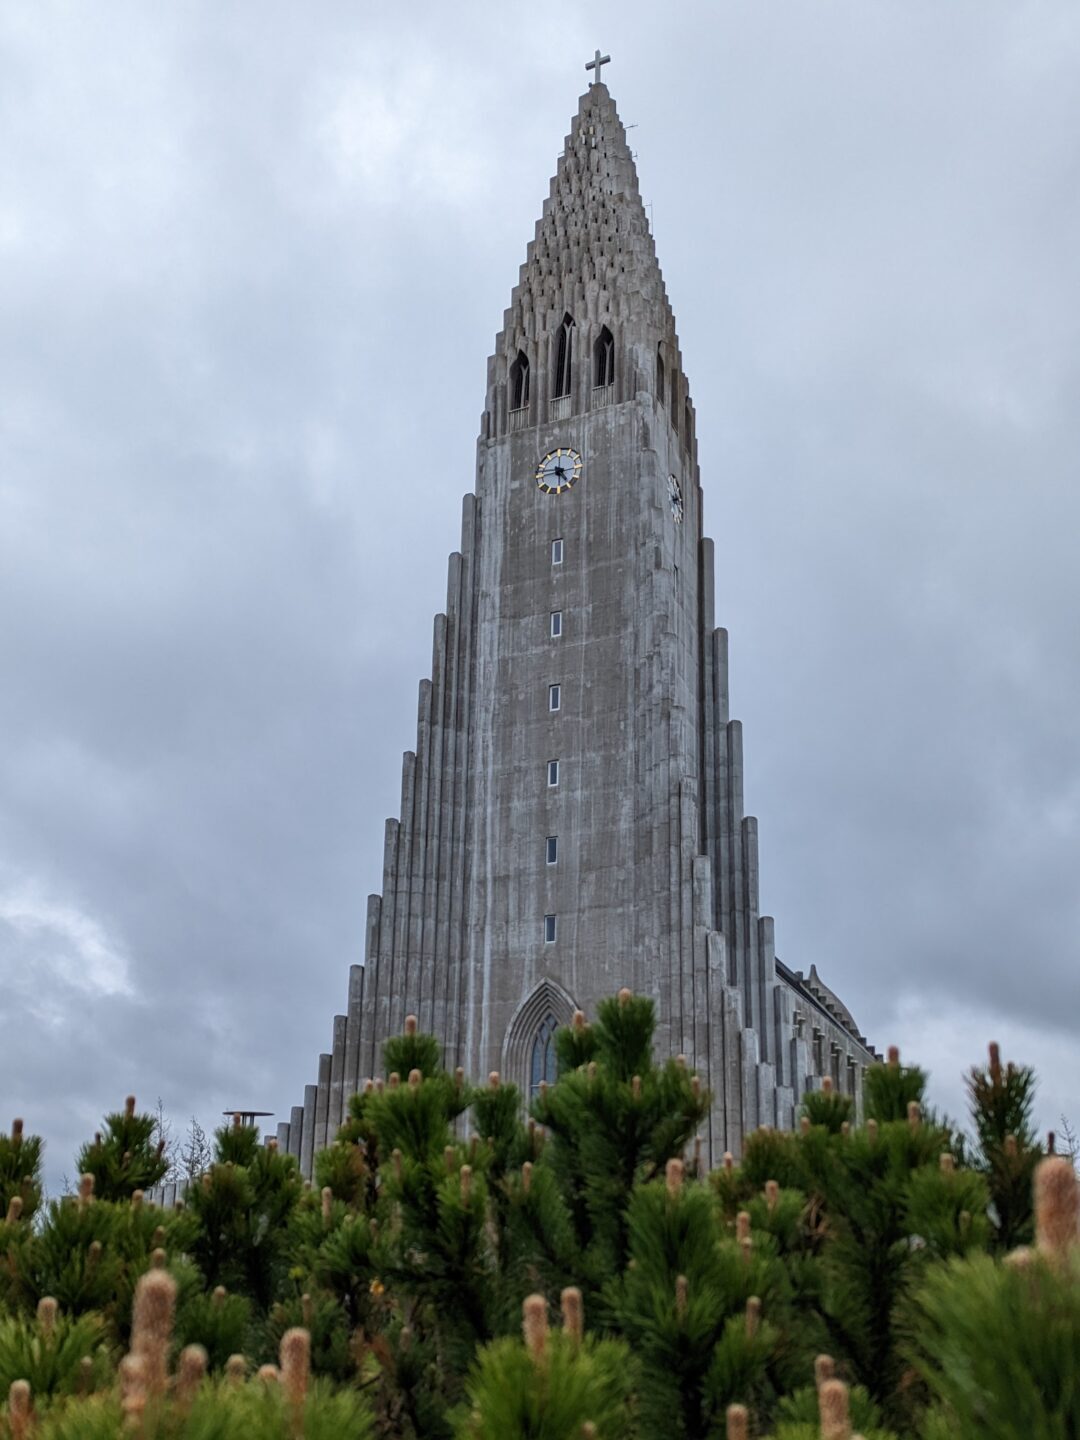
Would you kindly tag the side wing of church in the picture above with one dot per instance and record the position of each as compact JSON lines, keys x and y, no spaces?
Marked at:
{"x":572,"y":815}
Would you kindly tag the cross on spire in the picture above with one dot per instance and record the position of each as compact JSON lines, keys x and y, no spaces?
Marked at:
{"x":595,"y":64}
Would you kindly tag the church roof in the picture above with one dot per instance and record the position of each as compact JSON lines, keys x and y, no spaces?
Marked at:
{"x":593,"y":254}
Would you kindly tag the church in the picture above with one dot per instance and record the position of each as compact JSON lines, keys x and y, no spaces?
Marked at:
{"x":572,"y":817}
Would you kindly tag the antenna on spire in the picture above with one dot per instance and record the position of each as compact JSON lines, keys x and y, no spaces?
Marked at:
{"x":594,"y":64}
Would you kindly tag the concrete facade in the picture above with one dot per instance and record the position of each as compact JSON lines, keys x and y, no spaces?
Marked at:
{"x":484,"y":928}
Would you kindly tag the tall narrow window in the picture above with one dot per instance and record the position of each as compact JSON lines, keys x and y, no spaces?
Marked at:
{"x":549,"y":929}
{"x":661,"y":392}
{"x":604,"y":359}
{"x":686,"y":427}
{"x":553,"y":773}
{"x":564,"y":357}
{"x":556,"y":624}
{"x":542,"y":1061}
{"x":519,"y":382}
{"x":551,"y":849}
{"x":554,"y":697}
{"x":556,"y":552}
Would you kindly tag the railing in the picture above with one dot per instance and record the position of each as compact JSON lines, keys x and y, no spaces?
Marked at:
{"x":602,"y":395}
{"x":560,"y":407}
{"x":519,"y":418}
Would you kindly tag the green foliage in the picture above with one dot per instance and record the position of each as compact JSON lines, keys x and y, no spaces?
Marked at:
{"x":63,"y":1355}
{"x":997,"y":1346}
{"x":254,"y":1411}
{"x":242,"y":1206}
{"x":125,"y":1156}
{"x":611,"y":1124}
{"x":218,"y":1321}
{"x":828,"y":1108}
{"x":513,"y":1395}
{"x":402,"y":1054}
{"x":888,"y":1090}
{"x":20,"y":1172}
{"x":1002,"y":1100}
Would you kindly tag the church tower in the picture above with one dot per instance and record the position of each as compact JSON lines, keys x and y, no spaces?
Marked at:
{"x":572,"y":815}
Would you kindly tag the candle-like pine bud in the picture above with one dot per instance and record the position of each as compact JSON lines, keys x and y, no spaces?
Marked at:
{"x":995,"y":1062}
{"x":826,"y":1084}
{"x":680,"y":1061}
{"x":86,"y":1190}
{"x":894,"y":1055}
{"x":46,"y":1314}
{"x":129,"y":1107}
{"x":405,"y":1339}
{"x":833,"y":1405}
{"x":493,"y":1080}
{"x":158,"y":1259}
{"x":137,"y":1198}
{"x":625,"y":996}
{"x":15,"y":1209}
{"x":380,"y":1085}
{"x":635,"y":1087}
{"x":914,"y":1114}
{"x":93,"y":1255}
{"x":804,"y":1124}
{"x":459,"y":1077}
{"x":729,"y":1161}
{"x":219,"y":1296}
{"x":592,"y":1069}
{"x":534,"y":1325}
{"x":295,"y":1357}
{"x":824,"y":1369}
{"x":1011,"y":1148}
{"x":742,"y":1226}
{"x":1057,"y":1206}
{"x":697,"y":1157}
{"x":394,"y":1080}
{"x":738,"y":1422}
{"x":579,"y":1021}
{"x":396,"y":1158}
{"x":151,"y":1327}
{"x":682,"y":1295}
{"x":466,"y":1183}
{"x":695,"y":1086}
{"x":947,"y":1163}
{"x":410,"y":1024}
{"x":236,"y":1370}
{"x":238,"y":1121}
{"x":268,"y":1374}
{"x":19,"y":1409}
{"x":327,"y":1197}
{"x":845,"y":1129}
{"x":772,"y":1194}
{"x":526,"y":1177}
{"x":369,"y":1085}
{"x":415,"y":1078}
{"x":573,"y":1312}
{"x":190,"y":1373}
{"x":84,"y":1381}
{"x":753,"y":1315}
{"x":16,"y":1131}
{"x":307,"y":1309}
{"x":673,"y":1174}
{"x":449,"y":1155}
{"x":158,"y":1238}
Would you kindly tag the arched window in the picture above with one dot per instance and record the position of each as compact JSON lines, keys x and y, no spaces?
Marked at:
{"x":564,"y":357}
{"x":542,"y":1063}
{"x":519,"y":382}
{"x":661,"y":393}
{"x":604,"y":359}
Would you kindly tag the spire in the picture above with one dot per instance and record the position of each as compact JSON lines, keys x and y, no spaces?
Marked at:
{"x":593,"y":255}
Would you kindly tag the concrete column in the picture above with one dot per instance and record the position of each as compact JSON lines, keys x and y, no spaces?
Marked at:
{"x":307,"y":1144}
{"x":296,"y":1130}
{"x":322,"y":1103}
{"x":337,"y":1079}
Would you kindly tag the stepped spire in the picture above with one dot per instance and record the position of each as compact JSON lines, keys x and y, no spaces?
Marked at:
{"x":593,"y":255}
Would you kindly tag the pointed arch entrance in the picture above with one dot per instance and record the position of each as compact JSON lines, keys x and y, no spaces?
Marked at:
{"x":529,"y":1046}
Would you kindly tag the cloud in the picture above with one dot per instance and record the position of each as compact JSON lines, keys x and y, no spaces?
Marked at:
{"x":51,"y":952}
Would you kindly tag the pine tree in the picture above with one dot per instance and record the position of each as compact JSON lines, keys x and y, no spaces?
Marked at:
{"x":126,"y":1155}
{"x":1002,"y":1100}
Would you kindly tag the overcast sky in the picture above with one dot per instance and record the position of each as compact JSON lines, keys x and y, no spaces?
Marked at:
{"x":252,"y":262}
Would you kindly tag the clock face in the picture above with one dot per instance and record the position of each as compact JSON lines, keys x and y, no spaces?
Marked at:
{"x":675,"y":499}
{"x":558,"y":470}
